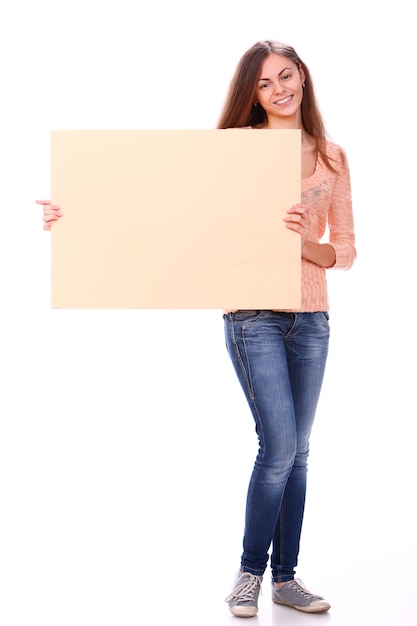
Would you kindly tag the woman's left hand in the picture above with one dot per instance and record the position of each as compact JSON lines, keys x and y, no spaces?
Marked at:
{"x":298,"y":219}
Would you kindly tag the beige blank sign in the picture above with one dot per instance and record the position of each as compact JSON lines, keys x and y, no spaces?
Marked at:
{"x":188,"y":219}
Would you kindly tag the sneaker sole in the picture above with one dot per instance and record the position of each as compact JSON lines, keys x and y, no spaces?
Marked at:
{"x":314,"y":607}
{"x":243,"y":611}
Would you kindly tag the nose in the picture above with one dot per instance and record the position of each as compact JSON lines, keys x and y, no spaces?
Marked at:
{"x":278,"y":88}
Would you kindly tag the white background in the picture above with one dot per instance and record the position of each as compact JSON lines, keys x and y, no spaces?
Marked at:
{"x":125,"y":442}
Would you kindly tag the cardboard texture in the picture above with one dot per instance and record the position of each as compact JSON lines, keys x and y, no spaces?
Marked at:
{"x":177,"y":219}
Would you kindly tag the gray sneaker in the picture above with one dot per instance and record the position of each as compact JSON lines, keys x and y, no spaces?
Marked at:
{"x":294,"y":594}
{"x":243,"y":600}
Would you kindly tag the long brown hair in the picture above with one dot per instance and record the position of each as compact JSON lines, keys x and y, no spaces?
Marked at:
{"x":240,"y":110}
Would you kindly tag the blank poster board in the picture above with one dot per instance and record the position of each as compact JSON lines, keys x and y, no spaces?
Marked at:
{"x":175,"y":219}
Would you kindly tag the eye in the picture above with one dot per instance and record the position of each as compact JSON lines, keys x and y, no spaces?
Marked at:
{"x":264,"y":85}
{"x":286,"y":76}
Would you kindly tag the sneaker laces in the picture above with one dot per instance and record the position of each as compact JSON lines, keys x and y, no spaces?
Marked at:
{"x":299,"y":587}
{"x":245,"y":592}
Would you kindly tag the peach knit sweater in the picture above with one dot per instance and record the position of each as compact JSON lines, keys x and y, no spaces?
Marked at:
{"x":328,"y":196}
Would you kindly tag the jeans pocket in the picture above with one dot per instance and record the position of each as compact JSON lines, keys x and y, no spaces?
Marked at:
{"x":322,"y":318}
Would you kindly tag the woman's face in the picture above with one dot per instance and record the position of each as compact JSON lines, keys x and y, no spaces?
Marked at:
{"x":279,"y":90}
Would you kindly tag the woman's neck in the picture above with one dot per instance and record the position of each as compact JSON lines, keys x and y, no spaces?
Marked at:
{"x":274,"y":124}
{"x":292,"y":122}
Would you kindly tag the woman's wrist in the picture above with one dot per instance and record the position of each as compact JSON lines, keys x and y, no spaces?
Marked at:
{"x":322,"y":254}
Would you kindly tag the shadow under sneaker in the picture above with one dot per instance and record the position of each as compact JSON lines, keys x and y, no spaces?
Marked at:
{"x":294,"y":594}
{"x":243,"y":600}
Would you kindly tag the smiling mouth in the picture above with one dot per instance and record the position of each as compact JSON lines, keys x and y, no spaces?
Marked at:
{"x":283,"y":101}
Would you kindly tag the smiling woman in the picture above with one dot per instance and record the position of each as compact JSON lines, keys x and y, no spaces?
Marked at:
{"x":280,"y":356}
{"x":280,"y":90}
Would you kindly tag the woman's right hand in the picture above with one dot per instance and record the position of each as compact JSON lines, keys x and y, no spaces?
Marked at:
{"x":51,"y":213}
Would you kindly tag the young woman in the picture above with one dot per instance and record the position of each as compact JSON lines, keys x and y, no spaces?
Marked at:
{"x":280,"y":356}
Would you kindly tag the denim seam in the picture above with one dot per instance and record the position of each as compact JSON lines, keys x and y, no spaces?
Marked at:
{"x":246,"y":373}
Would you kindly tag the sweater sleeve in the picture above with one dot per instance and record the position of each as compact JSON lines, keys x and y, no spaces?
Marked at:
{"x":340,"y":217}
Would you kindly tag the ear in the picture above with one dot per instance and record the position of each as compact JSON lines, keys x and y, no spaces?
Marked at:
{"x":302,"y":75}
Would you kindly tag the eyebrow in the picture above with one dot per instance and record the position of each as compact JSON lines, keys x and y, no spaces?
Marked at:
{"x":284,"y":70}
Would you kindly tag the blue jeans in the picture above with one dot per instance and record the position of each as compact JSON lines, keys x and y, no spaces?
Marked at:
{"x":279,"y":359}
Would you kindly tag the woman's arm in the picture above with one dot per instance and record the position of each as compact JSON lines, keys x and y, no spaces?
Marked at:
{"x":340,"y":252}
{"x":322,"y":254}
{"x":340,"y":219}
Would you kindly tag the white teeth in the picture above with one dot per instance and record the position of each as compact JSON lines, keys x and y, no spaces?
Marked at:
{"x":284,"y":101}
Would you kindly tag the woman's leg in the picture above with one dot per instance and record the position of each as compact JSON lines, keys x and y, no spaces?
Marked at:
{"x":307,"y":347}
{"x":256,"y":343}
